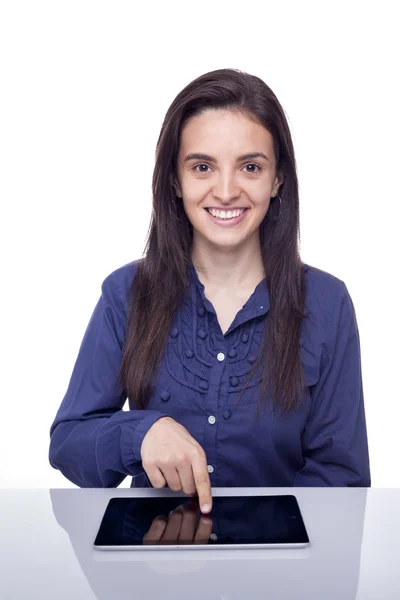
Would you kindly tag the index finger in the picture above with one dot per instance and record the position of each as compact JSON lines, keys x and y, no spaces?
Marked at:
{"x":203,"y":484}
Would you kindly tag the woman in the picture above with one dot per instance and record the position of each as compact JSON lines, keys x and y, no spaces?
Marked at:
{"x":241,"y":363}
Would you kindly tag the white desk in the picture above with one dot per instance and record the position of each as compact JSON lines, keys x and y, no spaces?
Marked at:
{"x":47,"y":551}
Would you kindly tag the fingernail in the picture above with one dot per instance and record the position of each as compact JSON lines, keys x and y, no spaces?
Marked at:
{"x":205,"y":508}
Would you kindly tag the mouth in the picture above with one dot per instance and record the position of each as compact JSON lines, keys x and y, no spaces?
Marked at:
{"x":228,"y":218}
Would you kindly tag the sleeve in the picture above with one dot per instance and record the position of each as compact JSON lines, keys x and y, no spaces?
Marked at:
{"x":335,"y":445}
{"x":93,"y":441}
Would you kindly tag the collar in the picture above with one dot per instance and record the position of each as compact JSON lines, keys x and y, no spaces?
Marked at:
{"x":256,"y":305}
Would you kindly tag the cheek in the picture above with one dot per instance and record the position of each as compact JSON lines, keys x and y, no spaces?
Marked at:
{"x":261,"y":208}
{"x":192,"y":208}
{"x":265,"y":208}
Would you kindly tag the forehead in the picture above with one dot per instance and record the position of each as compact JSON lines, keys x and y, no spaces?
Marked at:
{"x":223,"y":127}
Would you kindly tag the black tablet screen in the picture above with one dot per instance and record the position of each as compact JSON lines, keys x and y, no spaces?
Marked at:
{"x":235,"y":520}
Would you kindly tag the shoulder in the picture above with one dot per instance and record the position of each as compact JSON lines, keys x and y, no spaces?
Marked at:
{"x":323,"y":281}
{"x":322,"y":284}
{"x":325,"y":293}
{"x":116,"y":285}
{"x":122,"y":275}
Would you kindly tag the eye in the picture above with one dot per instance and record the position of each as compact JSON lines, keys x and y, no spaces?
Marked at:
{"x":254,"y":165}
{"x":201,"y":165}
{"x":249,"y":164}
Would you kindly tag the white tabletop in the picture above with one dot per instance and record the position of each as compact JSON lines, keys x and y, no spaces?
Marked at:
{"x":47,"y":551}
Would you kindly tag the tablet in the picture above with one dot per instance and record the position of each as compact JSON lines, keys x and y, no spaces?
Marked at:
{"x":176,"y":522}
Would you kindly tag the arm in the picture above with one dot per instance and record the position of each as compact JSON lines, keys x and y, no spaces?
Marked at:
{"x":335,"y":444}
{"x":94,"y":443}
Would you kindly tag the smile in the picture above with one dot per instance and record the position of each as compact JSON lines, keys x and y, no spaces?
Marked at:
{"x":227,"y":218}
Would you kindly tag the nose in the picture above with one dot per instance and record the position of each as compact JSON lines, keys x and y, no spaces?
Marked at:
{"x":226,"y":188}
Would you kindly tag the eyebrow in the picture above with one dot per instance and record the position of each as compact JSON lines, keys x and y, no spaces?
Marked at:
{"x":197,"y":156}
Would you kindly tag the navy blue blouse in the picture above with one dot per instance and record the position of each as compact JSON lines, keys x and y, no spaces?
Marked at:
{"x":96,"y":443}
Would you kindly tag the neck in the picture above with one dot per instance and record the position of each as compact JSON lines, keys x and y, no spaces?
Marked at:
{"x":228,"y":268}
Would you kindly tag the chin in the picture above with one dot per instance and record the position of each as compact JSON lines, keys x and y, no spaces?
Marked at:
{"x":223,"y":241}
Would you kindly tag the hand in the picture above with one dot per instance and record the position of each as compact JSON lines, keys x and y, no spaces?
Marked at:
{"x":171,"y":456}
{"x":182,"y":526}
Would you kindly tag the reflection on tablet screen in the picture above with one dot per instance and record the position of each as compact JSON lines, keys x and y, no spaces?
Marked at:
{"x":232,"y":521}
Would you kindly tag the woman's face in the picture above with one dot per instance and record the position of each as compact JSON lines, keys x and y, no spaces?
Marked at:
{"x":225,"y":180}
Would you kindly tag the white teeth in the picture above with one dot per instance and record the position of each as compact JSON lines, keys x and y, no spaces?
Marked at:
{"x":226,"y":214}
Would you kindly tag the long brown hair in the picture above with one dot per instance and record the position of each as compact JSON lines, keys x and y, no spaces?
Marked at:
{"x":162,"y":277}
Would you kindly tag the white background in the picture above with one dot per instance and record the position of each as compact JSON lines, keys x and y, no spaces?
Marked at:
{"x":84,"y":89}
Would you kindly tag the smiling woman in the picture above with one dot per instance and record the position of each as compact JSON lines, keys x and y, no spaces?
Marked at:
{"x":219,"y":314}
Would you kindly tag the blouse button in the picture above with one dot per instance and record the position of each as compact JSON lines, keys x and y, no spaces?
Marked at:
{"x":189,"y":353}
{"x":221,"y":356}
{"x":174,"y":332}
{"x":201,"y":333}
{"x":203,"y":385}
{"x":232,"y":353}
{"x":211,"y":420}
{"x":245,"y":338}
{"x":201,"y":311}
{"x":234,"y":381}
{"x":165,"y":396}
{"x":227,"y":414}
{"x":251,"y":358}
{"x":210,"y":468}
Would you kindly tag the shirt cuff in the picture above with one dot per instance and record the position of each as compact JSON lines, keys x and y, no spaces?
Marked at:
{"x":132,"y":438}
